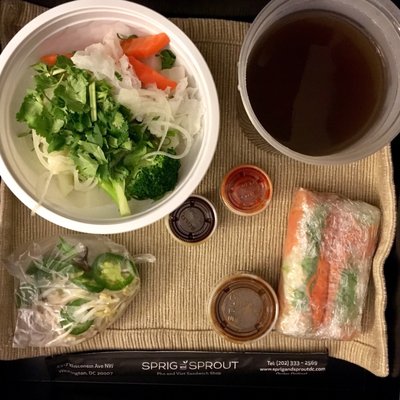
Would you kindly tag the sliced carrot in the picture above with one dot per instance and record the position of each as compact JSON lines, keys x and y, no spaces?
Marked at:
{"x":51,"y":59}
{"x":148,"y":75}
{"x":318,"y":291}
{"x":144,"y":46}
{"x":301,"y":198}
{"x":322,"y":285}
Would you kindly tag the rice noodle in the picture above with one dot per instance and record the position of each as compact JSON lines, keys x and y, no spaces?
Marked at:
{"x":188,"y":144}
{"x":57,"y":162}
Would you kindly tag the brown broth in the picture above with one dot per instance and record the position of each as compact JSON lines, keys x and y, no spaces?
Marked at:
{"x":316,"y":82}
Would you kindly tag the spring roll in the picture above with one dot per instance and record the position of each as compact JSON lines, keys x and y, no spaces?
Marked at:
{"x":327,"y":257}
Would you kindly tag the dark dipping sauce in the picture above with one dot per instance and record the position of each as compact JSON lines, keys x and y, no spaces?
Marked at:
{"x":316,"y":82}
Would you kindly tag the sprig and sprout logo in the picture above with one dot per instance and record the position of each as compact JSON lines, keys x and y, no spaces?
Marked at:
{"x":190,"y":365}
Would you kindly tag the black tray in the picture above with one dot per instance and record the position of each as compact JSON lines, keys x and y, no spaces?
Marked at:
{"x":341,"y":380}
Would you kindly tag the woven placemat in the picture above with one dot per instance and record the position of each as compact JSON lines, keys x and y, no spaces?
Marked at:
{"x":170,"y":311}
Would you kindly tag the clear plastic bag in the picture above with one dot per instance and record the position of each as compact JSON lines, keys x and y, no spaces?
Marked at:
{"x":69,"y":288}
{"x":327,"y":257}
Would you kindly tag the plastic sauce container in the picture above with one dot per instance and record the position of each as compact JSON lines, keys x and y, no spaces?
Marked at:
{"x":194,"y":221}
{"x":243,"y":307}
{"x":246,"y":190}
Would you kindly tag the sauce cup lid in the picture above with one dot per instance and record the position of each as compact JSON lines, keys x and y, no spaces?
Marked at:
{"x":246,"y":189}
{"x":194,"y":221}
{"x":243,"y":308}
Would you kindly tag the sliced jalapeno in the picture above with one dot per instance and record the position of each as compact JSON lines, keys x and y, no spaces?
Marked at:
{"x":68,"y":320}
{"x":86,"y":281}
{"x":114,"y":271}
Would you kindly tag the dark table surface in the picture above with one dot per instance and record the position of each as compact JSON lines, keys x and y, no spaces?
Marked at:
{"x":342,"y":380}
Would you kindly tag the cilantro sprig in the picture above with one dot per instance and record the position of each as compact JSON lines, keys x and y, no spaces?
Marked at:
{"x":77,"y":114}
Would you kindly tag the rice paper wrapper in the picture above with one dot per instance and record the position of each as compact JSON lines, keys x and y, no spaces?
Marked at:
{"x":327,"y":257}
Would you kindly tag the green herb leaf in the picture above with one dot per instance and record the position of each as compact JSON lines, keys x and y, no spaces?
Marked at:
{"x":168,"y":59}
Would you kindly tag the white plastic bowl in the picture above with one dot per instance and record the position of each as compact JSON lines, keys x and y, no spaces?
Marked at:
{"x":75,"y":25}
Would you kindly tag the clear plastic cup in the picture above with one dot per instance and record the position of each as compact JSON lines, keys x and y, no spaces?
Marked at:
{"x":243,"y":307}
{"x":246,"y":190}
{"x":380,"y":20}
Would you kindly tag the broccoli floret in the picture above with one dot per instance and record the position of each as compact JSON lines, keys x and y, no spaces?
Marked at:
{"x":152,"y":178}
{"x":114,"y":185}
